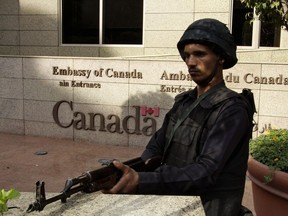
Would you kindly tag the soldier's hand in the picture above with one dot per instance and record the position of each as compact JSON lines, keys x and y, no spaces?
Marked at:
{"x":128,"y":183}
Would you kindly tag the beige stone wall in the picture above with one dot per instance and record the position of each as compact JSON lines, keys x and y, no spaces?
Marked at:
{"x":113,"y":204}
{"x":32,"y":27}
{"x":30,"y":90}
{"x":272,"y":55}
{"x":29,"y":27}
{"x":165,"y":21}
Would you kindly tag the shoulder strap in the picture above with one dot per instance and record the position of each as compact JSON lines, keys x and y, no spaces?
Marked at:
{"x":246,"y":95}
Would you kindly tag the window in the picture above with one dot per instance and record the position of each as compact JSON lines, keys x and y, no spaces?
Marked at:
{"x":252,"y":34}
{"x":241,"y":27}
{"x":102,"y":21}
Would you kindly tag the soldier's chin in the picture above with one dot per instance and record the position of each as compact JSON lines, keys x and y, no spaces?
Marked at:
{"x":200,"y":82}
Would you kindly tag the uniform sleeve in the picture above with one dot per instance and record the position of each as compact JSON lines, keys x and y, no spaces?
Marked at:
{"x":229,"y":131}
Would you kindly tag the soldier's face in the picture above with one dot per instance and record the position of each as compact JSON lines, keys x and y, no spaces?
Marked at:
{"x":201,"y":61}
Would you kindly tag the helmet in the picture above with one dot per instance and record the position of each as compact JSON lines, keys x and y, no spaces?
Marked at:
{"x":213,"y":33}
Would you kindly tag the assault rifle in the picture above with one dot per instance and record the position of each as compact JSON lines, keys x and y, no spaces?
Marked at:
{"x":91,"y":181}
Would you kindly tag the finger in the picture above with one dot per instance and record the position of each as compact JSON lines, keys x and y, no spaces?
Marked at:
{"x":114,"y":190}
{"x":119,"y":165}
{"x":118,"y":187}
{"x":116,"y":163}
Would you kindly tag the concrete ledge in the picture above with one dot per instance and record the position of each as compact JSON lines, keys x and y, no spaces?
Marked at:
{"x":106,"y":204}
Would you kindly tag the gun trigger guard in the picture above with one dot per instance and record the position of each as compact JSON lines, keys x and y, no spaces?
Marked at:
{"x":105,"y":162}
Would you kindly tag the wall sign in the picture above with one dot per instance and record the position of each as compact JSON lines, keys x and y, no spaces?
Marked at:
{"x":146,"y":125}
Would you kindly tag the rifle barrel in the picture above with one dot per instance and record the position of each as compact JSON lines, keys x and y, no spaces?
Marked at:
{"x":91,"y":181}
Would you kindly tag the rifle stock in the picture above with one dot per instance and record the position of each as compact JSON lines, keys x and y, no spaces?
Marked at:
{"x":92,"y":181}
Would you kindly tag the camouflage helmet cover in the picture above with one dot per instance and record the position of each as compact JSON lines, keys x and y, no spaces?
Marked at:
{"x":211,"y":32}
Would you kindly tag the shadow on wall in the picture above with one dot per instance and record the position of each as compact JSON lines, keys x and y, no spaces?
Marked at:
{"x":144,"y":115}
{"x":150,"y":98}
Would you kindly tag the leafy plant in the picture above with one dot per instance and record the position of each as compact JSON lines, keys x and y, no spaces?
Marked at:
{"x":5,"y":196}
{"x":275,"y":11}
{"x":271,"y":149}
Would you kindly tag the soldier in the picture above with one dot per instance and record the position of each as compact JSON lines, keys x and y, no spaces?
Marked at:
{"x":204,"y":138}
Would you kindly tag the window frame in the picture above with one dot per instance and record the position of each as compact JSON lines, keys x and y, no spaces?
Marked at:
{"x":100,"y":30}
{"x":256,"y":32}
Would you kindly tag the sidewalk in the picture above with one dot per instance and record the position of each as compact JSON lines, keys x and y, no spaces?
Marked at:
{"x":22,"y":162}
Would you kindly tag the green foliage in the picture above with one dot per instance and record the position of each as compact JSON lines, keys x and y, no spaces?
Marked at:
{"x":274,"y":11}
{"x":271,"y":149}
{"x":5,"y":196}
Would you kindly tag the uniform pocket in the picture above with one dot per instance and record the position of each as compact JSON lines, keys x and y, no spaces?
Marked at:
{"x":183,"y":146}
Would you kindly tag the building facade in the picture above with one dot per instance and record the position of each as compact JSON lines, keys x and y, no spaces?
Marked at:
{"x":109,"y":28}
{"x":112,"y":79}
